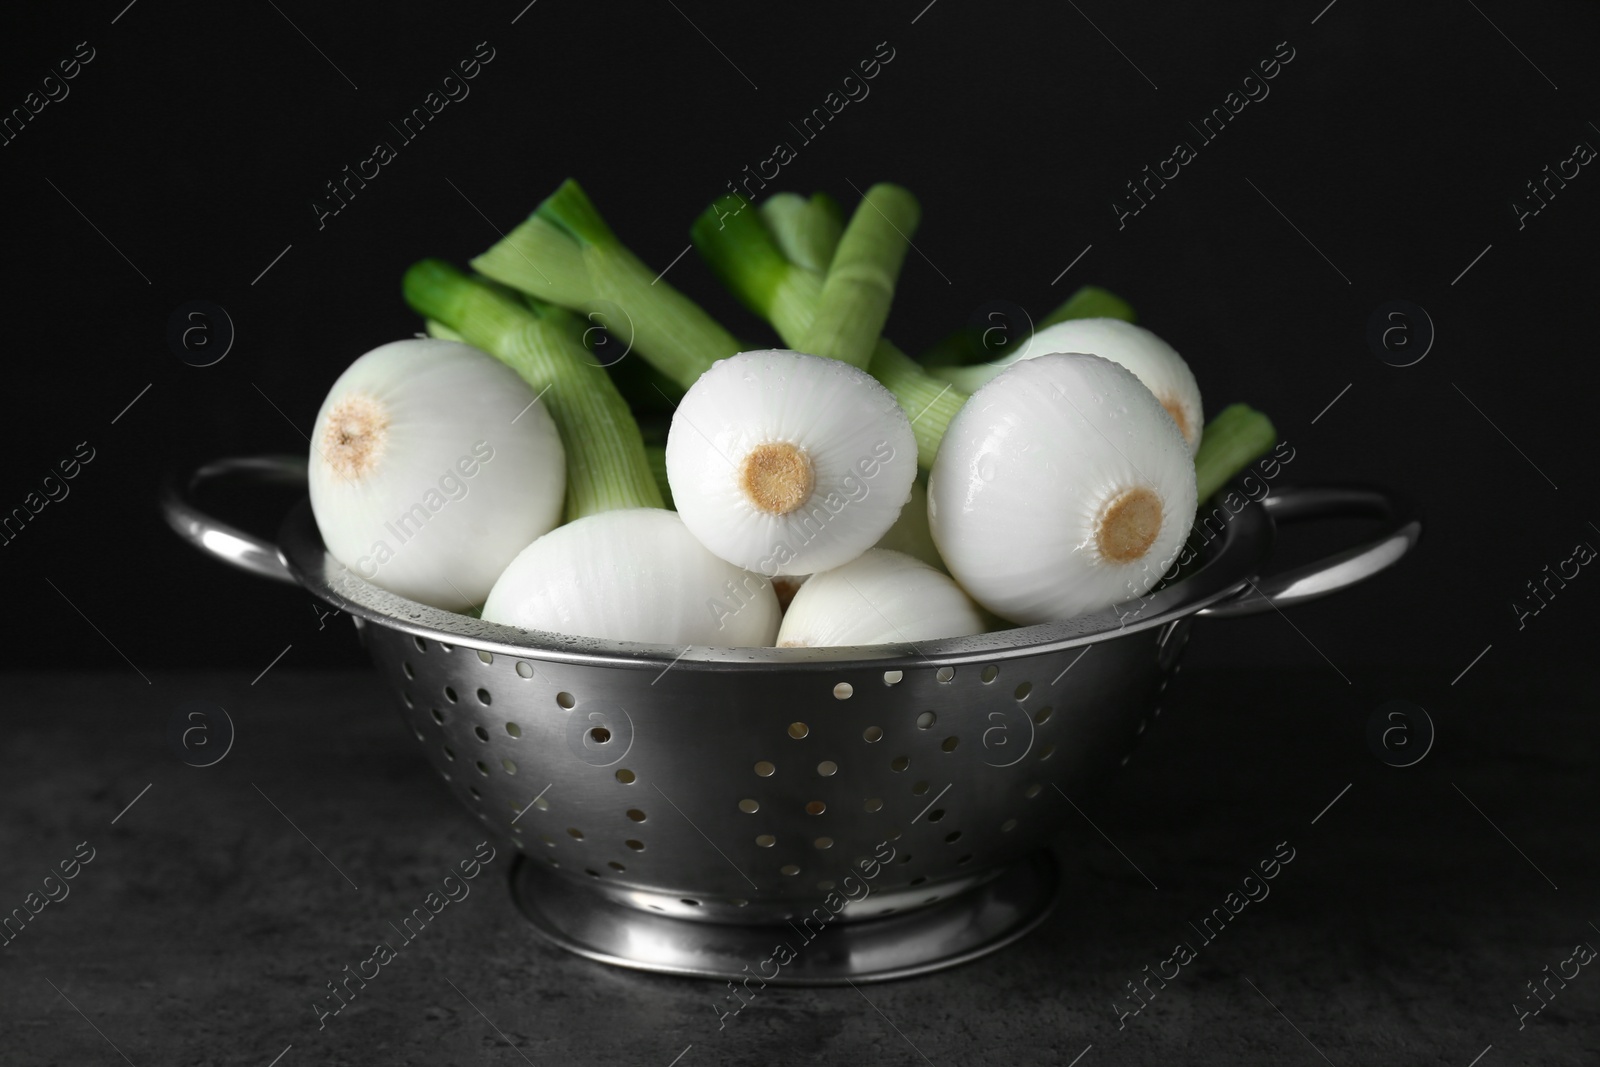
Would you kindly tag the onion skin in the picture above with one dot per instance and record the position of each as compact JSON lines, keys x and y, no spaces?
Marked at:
{"x":429,"y":471}
{"x":881,"y":597}
{"x":1028,"y":472}
{"x":635,"y":574}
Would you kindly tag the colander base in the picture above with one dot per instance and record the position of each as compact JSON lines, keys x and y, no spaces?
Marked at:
{"x":950,"y":932}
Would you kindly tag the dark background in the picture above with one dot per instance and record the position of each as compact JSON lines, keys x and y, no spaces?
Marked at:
{"x":195,"y":142}
{"x":198,"y":136}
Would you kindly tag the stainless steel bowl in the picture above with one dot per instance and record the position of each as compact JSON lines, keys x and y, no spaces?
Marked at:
{"x":882,"y":811}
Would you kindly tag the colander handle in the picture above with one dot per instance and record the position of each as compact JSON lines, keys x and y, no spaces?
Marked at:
{"x":213,"y":536}
{"x":1331,"y":573}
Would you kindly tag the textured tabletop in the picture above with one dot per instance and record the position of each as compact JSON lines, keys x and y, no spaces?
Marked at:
{"x":1420,"y":912}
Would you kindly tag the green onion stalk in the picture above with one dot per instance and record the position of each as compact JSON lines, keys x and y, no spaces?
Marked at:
{"x":807,"y":230}
{"x":746,"y":252}
{"x":607,"y":466}
{"x":1231,"y":441}
{"x":858,"y":286}
{"x":646,"y":389}
{"x":657,"y":455}
{"x":566,"y":254}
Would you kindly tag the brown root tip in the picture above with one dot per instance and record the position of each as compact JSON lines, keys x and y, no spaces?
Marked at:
{"x":1128,"y":525}
{"x":354,"y":437}
{"x":1176,"y":411}
{"x":777,"y":477}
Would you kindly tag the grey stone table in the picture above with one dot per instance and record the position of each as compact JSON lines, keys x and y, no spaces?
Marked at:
{"x":209,"y":907}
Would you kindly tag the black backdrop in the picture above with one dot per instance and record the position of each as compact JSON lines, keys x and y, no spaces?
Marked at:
{"x":185,"y":156}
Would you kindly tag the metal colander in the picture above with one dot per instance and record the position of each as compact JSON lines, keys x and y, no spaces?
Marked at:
{"x":682,"y":809}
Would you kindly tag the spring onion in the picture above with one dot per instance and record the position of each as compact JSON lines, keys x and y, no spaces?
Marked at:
{"x":606,"y":467}
{"x":1062,"y":487}
{"x":746,"y":255}
{"x":789,"y":463}
{"x":1155,"y":363}
{"x":1066,"y":482}
{"x":622,"y":568}
{"x":880,"y":597}
{"x":566,"y":254}
{"x":635,"y":574}
{"x":431,"y":468}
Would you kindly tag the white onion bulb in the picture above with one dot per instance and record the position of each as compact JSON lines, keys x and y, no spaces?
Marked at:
{"x":1061,"y":487}
{"x":785,"y":463}
{"x":879,"y":598}
{"x":1153,"y":361}
{"x":429,"y":471}
{"x":636,"y":574}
